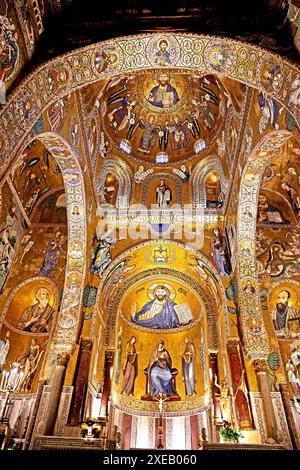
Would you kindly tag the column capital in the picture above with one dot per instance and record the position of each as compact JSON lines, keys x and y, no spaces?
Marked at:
{"x":213,"y":355}
{"x":260,"y":365}
{"x":62,"y":359}
{"x":232,"y":344}
{"x":86,"y":344}
{"x":284,"y":387}
{"x":109,"y":353}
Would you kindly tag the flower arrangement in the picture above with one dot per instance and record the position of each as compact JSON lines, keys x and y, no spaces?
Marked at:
{"x":229,"y":433}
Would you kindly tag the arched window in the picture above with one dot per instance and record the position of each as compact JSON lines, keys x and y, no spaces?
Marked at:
{"x":213,"y":190}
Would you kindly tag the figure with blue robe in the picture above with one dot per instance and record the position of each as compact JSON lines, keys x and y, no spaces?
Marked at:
{"x":158,"y":313}
{"x":160,"y":372}
{"x":102,"y":256}
{"x":270,"y":111}
{"x":51,"y":257}
{"x":220,"y":252}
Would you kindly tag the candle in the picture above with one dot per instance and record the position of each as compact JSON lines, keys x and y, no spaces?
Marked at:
{"x":13,"y":380}
{"x":6,"y":380}
{"x":2,"y":381}
{"x":16,"y":380}
{"x":20,"y":376}
{"x":9,"y":378}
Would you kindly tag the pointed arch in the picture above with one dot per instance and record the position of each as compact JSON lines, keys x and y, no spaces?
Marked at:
{"x":68,"y":323}
{"x":92,"y":63}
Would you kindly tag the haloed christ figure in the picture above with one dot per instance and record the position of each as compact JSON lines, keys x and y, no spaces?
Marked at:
{"x":158,"y":313}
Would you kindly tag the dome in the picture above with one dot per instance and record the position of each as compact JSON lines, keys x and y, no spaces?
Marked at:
{"x":162,"y":116}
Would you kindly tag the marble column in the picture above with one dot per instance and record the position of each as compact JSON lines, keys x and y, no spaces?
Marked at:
{"x":55,"y":394}
{"x":289,"y":415}
{"x":260,"y":366}
{"x":215,"y":391}
{"x":33,"y":415}
{"x":82,"y":372}
{"x":160,"y":433}
{"x":126,"y":431}
{"x":194,"y":432}
{"x":109,"y":358}
{"x":239,"y":385}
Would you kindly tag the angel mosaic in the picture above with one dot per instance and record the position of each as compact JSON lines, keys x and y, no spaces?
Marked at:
{"x":102,"y":256}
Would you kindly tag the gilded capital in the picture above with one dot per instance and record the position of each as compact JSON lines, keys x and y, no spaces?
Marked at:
{"x":62,"y":359}
{"x":86,"y":344}
{"x":109,"y":353}
{"x":232,"y":345}
{"x":260,"y":365}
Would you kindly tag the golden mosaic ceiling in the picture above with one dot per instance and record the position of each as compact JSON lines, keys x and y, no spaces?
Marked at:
{"x":160,"y":117}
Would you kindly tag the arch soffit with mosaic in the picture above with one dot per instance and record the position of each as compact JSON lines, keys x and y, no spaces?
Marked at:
{"x":38,"y":206}
{"x":69,"y":318}
{"x":254,"y":332}
{"x":240,"y":61}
